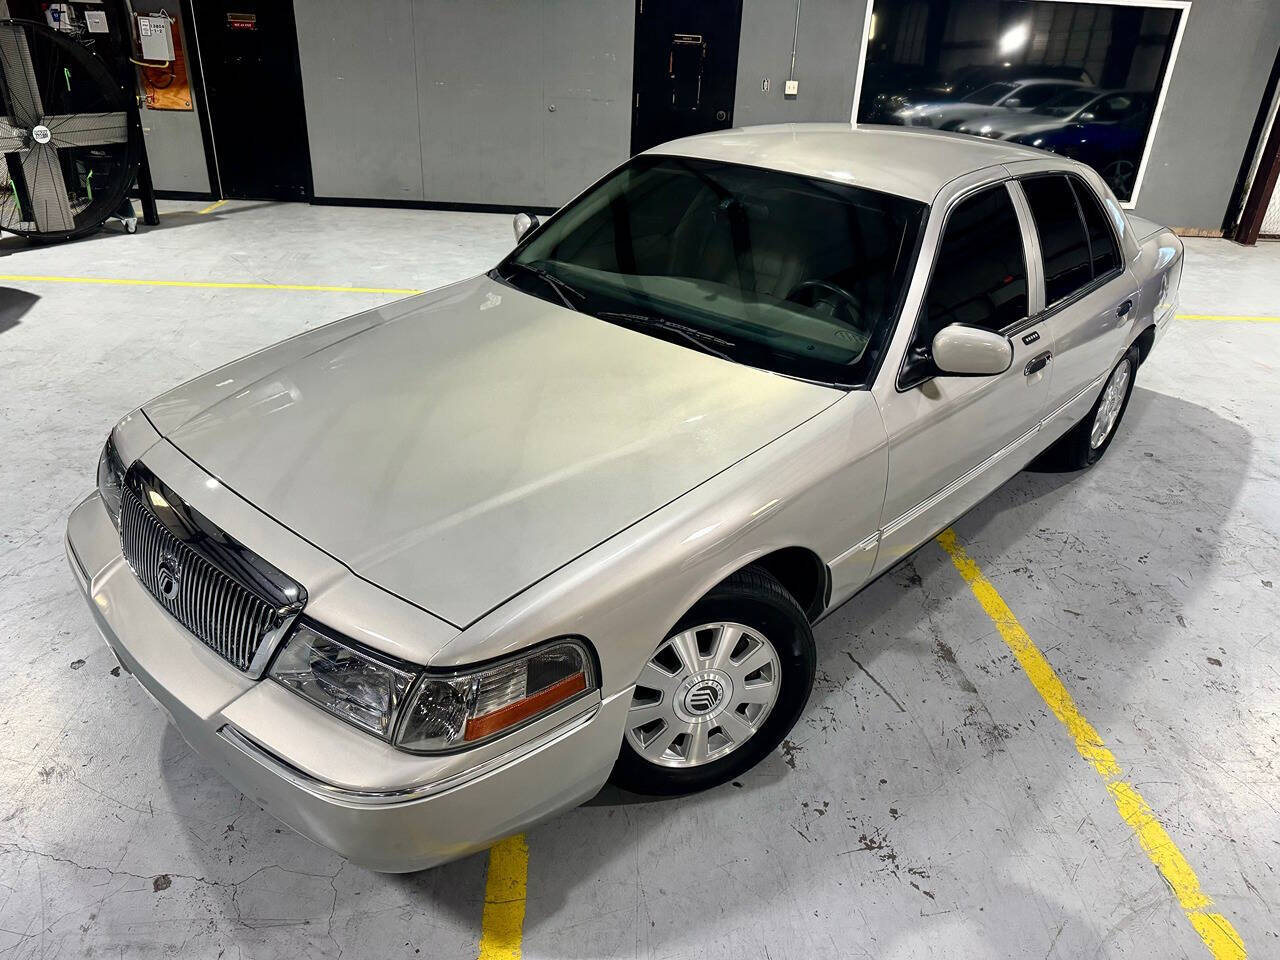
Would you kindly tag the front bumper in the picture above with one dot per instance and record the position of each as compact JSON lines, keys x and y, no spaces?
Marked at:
{"x":379,"y":807}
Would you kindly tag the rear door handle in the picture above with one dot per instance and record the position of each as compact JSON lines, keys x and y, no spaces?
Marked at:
{"x":1123,"y":309}
{"x":1037,"y":363}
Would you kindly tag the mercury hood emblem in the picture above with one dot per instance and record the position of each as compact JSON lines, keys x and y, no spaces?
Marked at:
{"x":167,"y":578}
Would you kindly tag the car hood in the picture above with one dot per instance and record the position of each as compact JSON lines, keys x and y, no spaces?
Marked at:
{"x":458,"y":446}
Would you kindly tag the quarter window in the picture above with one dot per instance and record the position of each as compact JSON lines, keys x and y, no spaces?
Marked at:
{"x":979,"y":276}
{"x":1064,"y":246}
{"x":1102,"y":242}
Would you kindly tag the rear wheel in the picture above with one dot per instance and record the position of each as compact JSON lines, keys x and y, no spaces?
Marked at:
{"x":1085,"y":443}
{"x":721,"y":690}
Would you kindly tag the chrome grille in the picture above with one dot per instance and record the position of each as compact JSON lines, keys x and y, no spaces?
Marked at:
{"x":222,"y":612}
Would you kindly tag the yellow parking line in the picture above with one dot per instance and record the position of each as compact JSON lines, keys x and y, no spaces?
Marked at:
{"x":1227,"y":319}
{"x":213,"y":206}
{"x":1214,"y":929}
{"x":119,"y":282}
{"x":505,"y":888}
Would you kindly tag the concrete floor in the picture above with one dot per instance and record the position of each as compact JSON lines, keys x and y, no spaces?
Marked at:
{"x":927,"y":805}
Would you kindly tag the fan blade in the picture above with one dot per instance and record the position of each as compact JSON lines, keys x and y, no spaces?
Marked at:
{"x":88,"y":129}
{"x":12,"y":138}
{"x":47,"y":190}
{"x":20,"y":86}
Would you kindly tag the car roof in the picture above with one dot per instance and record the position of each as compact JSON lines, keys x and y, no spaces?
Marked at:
{"x":907,"y":162}
{"x":1028,"y":81}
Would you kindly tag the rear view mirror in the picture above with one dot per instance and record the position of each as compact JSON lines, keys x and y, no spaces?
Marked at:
{"x":966,"y":351}
{"x":523,"y":223}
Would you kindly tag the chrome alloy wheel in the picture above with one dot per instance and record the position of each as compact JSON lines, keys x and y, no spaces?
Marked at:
{"x":1113,"y":395}
{"x":703,"y":694}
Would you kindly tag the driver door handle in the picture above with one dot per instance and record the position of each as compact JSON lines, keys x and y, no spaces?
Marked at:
{"x":1037,"y":363}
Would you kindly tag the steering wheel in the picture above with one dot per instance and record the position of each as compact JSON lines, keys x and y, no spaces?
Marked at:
{"x":849,"y":311}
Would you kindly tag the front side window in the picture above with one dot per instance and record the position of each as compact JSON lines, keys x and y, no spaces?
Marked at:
{"x":1064,"y":246}
{"x":1034,"y":94}
{"x":979,"y":275}
{"x":789,"y":273}
{"x":1068,"y":104}
{"x":1114,"y":108}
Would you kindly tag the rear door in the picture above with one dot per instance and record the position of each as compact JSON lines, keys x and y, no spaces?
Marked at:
{"x":1089,"y":295}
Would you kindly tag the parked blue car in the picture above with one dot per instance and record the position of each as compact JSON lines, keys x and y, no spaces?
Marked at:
{"x":1113,"y":149}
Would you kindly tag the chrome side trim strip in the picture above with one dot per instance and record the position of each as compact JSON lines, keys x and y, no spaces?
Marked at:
{"x":1064,"y":406}
{"x":870,"y":543}
{"x":377,"y":798}
{"x":925,"y":506}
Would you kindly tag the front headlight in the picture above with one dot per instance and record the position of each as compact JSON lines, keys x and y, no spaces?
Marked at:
{"x":469,"y":707}
{"x":111,"y":479}
{"x":443,"y":711}
{"x":351,"y":684}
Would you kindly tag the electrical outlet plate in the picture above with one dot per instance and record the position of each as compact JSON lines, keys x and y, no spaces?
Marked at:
{"x":792,"y":88}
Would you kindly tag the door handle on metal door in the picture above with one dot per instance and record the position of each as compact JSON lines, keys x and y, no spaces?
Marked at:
{"x":1123,"y":310}
{"x":1037,"y":363}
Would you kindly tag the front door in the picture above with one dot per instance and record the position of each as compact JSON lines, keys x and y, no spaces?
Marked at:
{"x":253,"y":87}
{"x":686,"y":66}
{"x":952,"y":440}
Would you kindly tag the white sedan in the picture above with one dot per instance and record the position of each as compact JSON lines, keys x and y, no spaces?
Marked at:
{"x":421,"y":577}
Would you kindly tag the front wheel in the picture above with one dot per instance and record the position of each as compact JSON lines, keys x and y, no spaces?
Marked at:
{"x":721,"y":691}
{"x":1085,"y":443}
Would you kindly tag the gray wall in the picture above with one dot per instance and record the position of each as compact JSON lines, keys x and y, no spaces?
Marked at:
{"x":1214,"y":95}
{"x":449,"y":100}
{"x":465,"y":101}
{"x":827,"y":52}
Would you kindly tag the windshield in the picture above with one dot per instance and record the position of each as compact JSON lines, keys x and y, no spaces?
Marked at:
{"x":990,"y":93}
{"x":792,"y":274}
{"x":1067,"y":103}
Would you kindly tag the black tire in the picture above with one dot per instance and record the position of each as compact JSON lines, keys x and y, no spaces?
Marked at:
{"x":1074,"y":450}
{"x":755,"y":599}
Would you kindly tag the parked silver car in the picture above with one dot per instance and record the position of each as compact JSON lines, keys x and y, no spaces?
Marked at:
{"x":1001,"y":97}
{"x":419,"y":578}
{"x":1078,"y":106}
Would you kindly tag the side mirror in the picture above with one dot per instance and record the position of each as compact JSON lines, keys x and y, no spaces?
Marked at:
{"x":1087,"y":117}
{"x":965,"y":351}
{"x":523,"y":223}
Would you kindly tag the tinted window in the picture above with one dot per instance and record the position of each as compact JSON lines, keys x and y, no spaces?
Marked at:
{"x":1065,"y":104}
{"x":1034,"y":94}
{"x":979,"y":277}
{"x":1117,"y":107}
{"x":990,"y":93}
{"x":1102,"y":242}
{"x":1063,"y":244}
{"x":796,"y":275}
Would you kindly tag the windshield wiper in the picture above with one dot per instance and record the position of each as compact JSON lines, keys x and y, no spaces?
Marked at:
{"x":562,"y":289}
{"x":696,"y":337}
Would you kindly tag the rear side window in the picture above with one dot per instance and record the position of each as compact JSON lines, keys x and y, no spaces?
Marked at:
{"x":979,"y":277}
{"x":1102,"y":242}
{"x":1064,"y":246}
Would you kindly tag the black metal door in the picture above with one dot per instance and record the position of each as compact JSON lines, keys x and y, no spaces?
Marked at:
{"x":253,"y":86}
{"x":686,"y":66}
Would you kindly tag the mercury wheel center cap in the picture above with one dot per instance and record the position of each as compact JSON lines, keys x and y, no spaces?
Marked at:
{"x":41,"y":134}
{"x":703,"y":696}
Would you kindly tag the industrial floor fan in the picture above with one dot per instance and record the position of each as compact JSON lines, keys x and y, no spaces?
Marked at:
{"x":70,"y":151}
